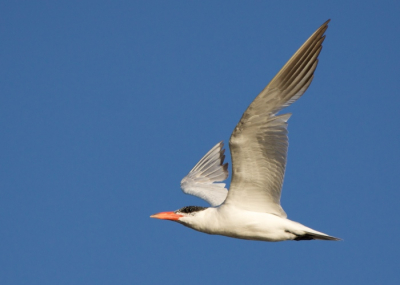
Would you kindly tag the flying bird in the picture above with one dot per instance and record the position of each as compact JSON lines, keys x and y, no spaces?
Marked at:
{"x":251,"y":208}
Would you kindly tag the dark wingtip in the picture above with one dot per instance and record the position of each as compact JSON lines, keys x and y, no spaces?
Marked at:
{"x":222,"y":158}
{"x":221,"y":152}
{"x":225,"y":168}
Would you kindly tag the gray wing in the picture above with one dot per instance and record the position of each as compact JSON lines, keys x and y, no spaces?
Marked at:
{"x":202,"y":180}
{"x":259,"y":142}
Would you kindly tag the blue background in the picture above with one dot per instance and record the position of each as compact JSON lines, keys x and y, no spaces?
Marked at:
{"x":106,"y":105}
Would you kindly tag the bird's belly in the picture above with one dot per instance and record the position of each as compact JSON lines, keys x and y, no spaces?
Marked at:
{"x":250,"y":226}
{"x":254,"y":232}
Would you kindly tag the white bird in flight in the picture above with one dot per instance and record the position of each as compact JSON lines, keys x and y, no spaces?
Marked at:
{"x":251,"y":208}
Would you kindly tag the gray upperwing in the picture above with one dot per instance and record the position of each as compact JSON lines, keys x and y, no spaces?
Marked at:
{"x":259,"y":142}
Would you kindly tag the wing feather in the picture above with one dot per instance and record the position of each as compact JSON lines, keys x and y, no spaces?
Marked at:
{"x":259,"y":142}
{"x":203,"y":180}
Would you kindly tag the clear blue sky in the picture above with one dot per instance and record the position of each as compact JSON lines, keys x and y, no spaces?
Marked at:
{"x":106,"y":105}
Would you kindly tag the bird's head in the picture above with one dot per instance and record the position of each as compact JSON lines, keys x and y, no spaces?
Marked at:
{"x":183,"y":215}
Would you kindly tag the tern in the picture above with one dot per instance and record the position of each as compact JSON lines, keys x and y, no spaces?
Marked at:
{"x":251,"y":208}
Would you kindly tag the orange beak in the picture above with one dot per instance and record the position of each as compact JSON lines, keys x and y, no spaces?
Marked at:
{"x":166,"y":216}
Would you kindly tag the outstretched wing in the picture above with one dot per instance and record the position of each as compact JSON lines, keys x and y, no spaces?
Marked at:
{"x":203,"y":180}
{"x":259,"y":142}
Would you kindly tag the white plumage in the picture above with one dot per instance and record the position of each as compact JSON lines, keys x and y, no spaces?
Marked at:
{"x":251,"y":208}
